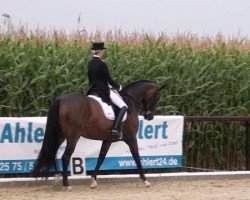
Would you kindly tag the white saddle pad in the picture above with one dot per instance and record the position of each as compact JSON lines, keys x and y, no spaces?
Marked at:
{"x":107,"y":109}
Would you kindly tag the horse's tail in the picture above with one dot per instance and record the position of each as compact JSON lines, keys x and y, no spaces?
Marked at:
{"x":46,"y":159}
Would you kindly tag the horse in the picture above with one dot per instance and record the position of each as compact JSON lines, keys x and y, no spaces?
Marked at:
{"x":75,"y":115}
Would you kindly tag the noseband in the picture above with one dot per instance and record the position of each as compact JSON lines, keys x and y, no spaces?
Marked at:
{"x":148,"y":112}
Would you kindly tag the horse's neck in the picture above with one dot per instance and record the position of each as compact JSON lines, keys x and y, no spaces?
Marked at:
{"x":136,"y":95}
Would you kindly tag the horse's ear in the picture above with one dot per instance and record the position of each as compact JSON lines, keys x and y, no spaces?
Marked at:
{"x":163,"y":86}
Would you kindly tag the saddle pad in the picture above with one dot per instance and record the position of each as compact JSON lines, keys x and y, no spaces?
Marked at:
{"x":107,"y":109}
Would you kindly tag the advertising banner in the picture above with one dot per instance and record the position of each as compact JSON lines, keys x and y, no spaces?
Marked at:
{"x":159,"y":141}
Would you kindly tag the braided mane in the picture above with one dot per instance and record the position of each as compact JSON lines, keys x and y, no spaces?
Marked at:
{"x":136,"y":83}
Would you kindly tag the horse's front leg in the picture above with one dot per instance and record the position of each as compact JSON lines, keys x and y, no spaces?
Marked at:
{"x":103,"y":152}
{"x":133,"y":146}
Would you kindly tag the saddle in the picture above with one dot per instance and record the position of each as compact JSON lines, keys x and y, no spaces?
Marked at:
{"x":107,"y":109}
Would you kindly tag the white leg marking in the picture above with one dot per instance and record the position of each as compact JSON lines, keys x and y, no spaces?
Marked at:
{"x":147,"y":184}
{"x":67,"y":188}
{"x":93,"y":184}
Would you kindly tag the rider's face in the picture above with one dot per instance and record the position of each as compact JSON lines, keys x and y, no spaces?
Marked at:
{"x":102,"y":52}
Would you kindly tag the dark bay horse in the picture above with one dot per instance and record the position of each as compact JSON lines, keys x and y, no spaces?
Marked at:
{"x":74,"y":115}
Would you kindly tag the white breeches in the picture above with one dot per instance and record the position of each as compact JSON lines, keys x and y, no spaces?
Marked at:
{"x":117,"y":99}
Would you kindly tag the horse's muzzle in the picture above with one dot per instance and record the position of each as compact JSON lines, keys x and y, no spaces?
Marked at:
{"x":148,"y":115}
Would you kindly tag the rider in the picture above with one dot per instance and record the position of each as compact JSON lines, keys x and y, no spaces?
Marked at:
{"x":104,"y":86}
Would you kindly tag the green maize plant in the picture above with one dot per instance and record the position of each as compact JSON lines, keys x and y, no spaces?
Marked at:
{"x":204,"y":76}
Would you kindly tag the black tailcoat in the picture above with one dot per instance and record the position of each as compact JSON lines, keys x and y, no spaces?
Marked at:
{"x":99,"y":78}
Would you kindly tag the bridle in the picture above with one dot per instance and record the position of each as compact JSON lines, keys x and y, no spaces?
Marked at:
{"x":149,"y":112}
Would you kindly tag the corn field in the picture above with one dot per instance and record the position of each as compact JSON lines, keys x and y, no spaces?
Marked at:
{"x":204,"y":76}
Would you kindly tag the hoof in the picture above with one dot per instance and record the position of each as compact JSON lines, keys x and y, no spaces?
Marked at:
{"x":56,"y":177}
{"x":93,"y":184}
{"x":147,"y":184}
{"x":67,"y":188}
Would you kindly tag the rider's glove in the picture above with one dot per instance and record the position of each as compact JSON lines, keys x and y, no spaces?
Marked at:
{"x":120,"y":87}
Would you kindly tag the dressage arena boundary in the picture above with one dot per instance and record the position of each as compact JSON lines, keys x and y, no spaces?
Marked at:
{"x":179,"y":176}
{"x":166,"y":176}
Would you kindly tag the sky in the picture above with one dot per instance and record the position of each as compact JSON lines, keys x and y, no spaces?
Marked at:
{"x":201,"y":17}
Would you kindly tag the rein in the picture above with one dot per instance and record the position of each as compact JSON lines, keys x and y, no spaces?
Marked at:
{"x":133,"y":100}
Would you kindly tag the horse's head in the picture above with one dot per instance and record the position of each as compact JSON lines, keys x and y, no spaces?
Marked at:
{"x":149,"y":101}
{"x":146,"y":94}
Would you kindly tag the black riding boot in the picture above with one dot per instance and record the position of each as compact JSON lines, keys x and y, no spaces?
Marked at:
{"x":116,"y":132}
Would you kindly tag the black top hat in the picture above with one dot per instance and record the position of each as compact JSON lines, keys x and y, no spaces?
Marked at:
{"x":98,"y":46}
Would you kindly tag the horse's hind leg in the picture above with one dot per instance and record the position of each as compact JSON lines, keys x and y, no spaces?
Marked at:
{"x":71,"y":144}
{"x":56,"y":175}
{"x":133,"y":146}
{"x":103,"y":152}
